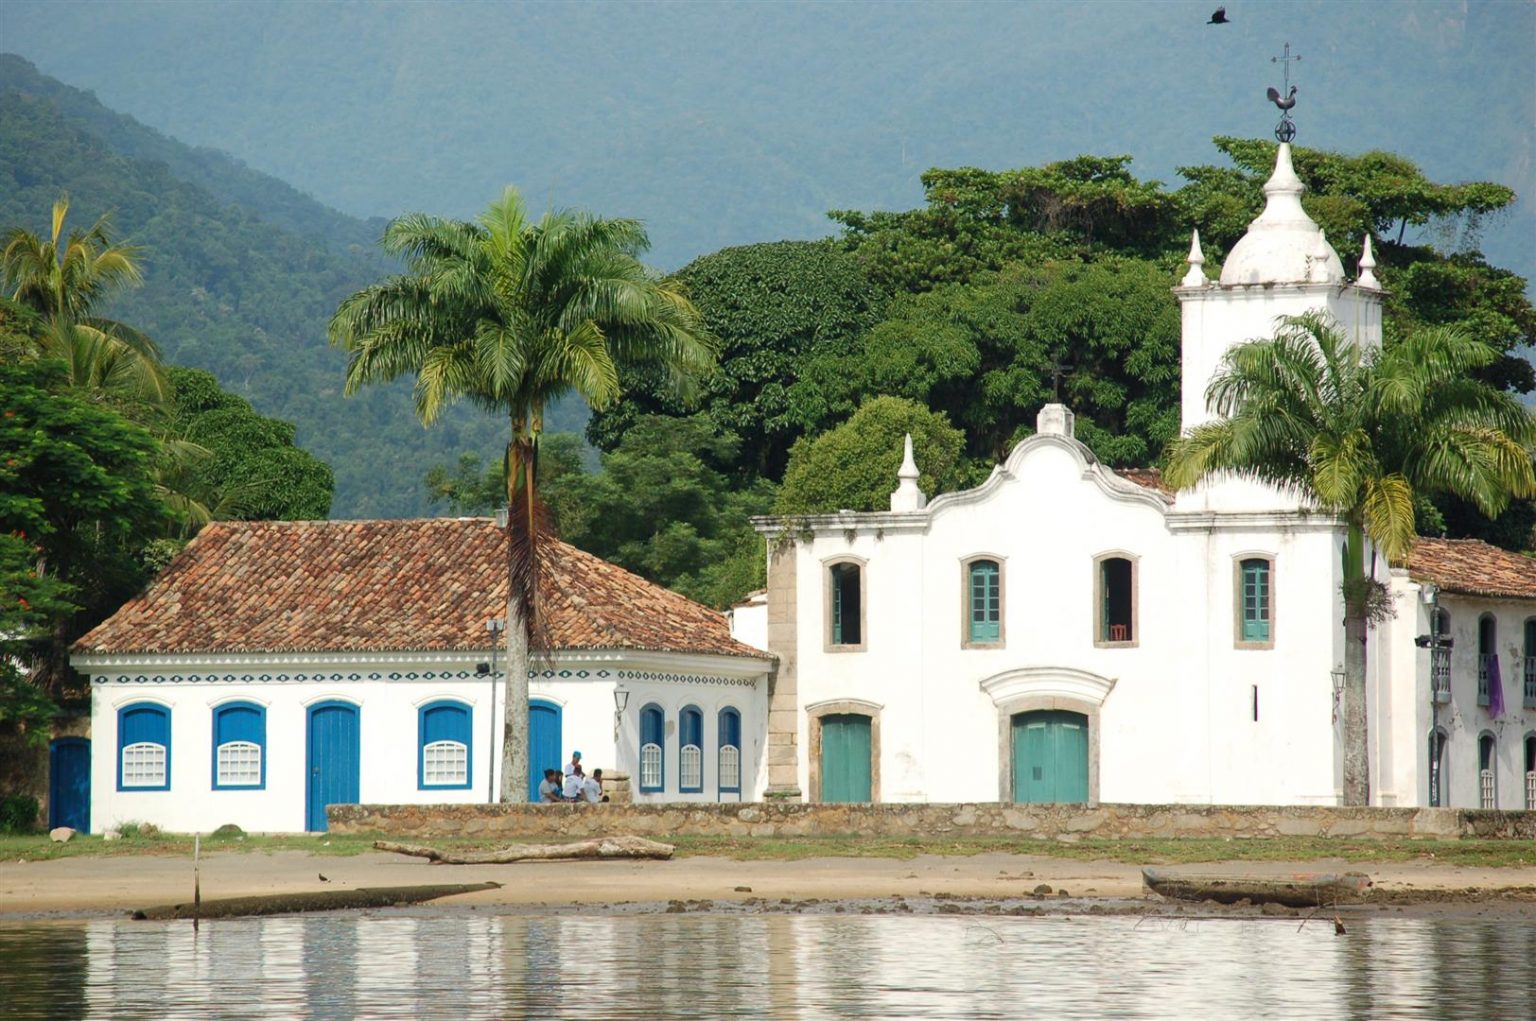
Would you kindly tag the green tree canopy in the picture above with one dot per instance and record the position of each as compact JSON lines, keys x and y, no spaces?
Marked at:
{"x":853,"y":467}
{"x":771,"y":306}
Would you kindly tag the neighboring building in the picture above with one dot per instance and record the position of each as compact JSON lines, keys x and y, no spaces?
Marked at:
{"x":275,"y":667}
{"x":1065,"y":632}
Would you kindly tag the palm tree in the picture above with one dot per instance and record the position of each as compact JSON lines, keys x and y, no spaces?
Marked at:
{"x":509,"y":314}
{"x":62,"y":279}
{"x":1363,"y":436}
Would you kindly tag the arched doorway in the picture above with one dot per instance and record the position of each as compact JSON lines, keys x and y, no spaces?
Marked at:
{"x":1050,"y":756}
{"x":543,"y":743}
{"x":845,"y":758}
{"x":334,"y":760}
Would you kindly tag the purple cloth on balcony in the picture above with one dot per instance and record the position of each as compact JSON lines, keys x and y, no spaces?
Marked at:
{"x":1495,"y":688}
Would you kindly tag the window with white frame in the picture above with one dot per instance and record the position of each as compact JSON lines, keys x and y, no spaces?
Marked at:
{"x":144,"y":747}
{"x":1255,"y":601}
{"x":845,"y":605}
{"x":239,"y":741}
{"x":1487,"y":780}
{"x":444,"y":740}
{"x":729,"y":767}
{"x":984,"y":602}
{"x":1115,"y":602}
{"x":690,"y":759}
{"x":652,"y":733}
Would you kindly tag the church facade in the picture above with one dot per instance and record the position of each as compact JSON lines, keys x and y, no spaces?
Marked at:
{"x":1066,"y":632}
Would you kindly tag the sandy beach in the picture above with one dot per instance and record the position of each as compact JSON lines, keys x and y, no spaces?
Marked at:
{"x":92,"y":886}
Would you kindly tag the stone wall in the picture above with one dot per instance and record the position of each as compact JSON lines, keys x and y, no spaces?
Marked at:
{"x":1042,"y":822}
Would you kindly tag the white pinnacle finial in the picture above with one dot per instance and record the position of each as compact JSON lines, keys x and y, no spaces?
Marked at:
{"x":1196,"y":275}
{"x":907,"y":496}
{"x":1368,"y":267}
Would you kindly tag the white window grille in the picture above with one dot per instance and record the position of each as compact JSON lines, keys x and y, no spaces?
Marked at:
{"x":730,"y":768}
{"x":1485,"y":782}
{"x":444,"y":764}
{"x":1530,"y":791}
{"x":650,"y":765}
{"x":144,"y":765}
{"x":691,"y":762}
{"x":239,"y":764}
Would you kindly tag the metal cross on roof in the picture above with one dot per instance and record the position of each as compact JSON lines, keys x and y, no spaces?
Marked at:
{"x":1285,"y":97}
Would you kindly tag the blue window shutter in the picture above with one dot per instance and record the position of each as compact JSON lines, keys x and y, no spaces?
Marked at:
{"x":1255,"y":600}
{"x":729,"y":763}
{"x":240,"y":721}
{"x":143,"y":723}
{"x":986,"y":602}
{"x":444,"y":721}
{"x":730,"y":727}
{"x":652,"y":736}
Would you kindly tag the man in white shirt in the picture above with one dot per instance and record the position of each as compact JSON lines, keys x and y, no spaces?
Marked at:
{"x":592,"y":789}
{"x":573,"y":785}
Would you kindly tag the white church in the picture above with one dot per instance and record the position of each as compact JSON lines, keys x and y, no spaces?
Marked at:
{"x":1065,"y":632}
{"x":1062,"y":633}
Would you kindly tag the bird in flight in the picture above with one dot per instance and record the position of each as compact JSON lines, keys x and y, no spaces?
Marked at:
{"x":1219,"y":18}
{"x":1284,"y":104}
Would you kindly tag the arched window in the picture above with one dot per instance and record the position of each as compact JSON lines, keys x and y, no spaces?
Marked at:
{"x":443,"y":745}
{"x":239,"y":746}
{"x":1528,"y":665}
{"x":143,"y":747}
{"x":1487,"y":656}
{"x":690,"y":756}
{"x":1437,"y":780}
{"x":845,"y":599}
{"x":652,"y":729}
{"x":1530,"y":772}
{"x":1487,"y":773}
{"x":984,"y":599}
{"x":1115,"y":612}
{"x":1255,"y":604}
{"x":730,"y":751}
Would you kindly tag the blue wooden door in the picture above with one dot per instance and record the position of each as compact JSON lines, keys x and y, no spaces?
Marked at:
{"x":543,"y":744}
{"x":334,"y":760}
{"x":845,"y":758}
{"x":1050,"y":757}
{"x":69,"y":784}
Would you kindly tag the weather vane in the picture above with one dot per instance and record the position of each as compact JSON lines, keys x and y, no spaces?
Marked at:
{"x":1286,"y":129}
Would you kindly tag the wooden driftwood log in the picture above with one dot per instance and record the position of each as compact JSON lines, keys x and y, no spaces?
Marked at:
{"x":319,"y":900}
{"x":582,"y":850}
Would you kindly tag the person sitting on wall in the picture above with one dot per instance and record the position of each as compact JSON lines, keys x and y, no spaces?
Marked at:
{"x":549,"y":789}
{"x":592,"y":788}
{"x":574,"y":766}
{"x":571,"y":791}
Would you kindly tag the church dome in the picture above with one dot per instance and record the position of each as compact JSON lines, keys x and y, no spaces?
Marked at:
{"x":1284,"y":245}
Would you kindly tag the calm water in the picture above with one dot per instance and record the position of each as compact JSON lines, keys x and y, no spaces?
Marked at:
{"x":769,"y":966}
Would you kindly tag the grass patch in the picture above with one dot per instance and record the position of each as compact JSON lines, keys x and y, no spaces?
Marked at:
{"x":136,"y":842}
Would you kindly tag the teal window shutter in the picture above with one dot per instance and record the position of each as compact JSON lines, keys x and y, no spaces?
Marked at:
{"x":1255,"y":600}
{"x":986,"y":602}
{"x":837,"y":607}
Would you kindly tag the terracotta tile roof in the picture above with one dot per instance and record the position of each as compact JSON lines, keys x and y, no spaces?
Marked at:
{"x":426,"y":584}
{"x":1473,"y":567}
{"x":1146,"y":478}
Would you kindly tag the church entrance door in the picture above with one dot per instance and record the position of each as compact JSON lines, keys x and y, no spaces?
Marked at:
{"x":1050,"y":757}
{"x":845,"y":748}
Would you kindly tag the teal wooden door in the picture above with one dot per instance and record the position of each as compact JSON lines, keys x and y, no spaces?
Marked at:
{"x":543,"y":743}
{"x":845,"y":762}
{"x":1050,"y":757}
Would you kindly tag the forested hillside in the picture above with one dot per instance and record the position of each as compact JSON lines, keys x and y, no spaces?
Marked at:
{"x":242,"y":274}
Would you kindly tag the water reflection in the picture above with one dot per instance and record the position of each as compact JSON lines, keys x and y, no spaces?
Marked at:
{"x":768,"y":966}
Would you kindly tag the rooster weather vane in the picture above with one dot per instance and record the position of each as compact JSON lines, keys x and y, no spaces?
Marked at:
{"x":1286,"y":129}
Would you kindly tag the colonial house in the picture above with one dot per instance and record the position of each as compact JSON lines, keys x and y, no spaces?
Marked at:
{"x":1066,"y":632}
{"x":276,"y":667}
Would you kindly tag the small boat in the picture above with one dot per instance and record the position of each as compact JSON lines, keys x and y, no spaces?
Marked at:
{"x":1296,"y":890}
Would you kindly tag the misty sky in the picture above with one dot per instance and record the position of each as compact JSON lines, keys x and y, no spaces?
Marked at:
{"x":726,"y":123}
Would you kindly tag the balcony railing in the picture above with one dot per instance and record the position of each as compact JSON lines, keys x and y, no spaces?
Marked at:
{"x":1530,"y":791}
{"x":1529,"y":700}
{"x":1484,"y":669}
{"x":1488,"y":798}
{"x":1440,"y":673}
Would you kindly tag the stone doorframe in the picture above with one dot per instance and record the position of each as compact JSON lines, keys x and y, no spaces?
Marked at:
{"x":1028,"y":689}
{"x":838,"y":707}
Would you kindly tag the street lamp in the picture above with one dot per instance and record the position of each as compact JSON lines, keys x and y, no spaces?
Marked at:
{"x":620,"y":701}
{"x":495,"y":627}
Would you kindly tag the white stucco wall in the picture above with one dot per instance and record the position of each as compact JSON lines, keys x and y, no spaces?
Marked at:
{"x":1175,"y":710}
{"x":582,"y":685}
